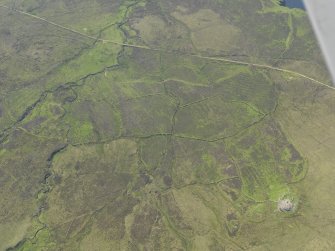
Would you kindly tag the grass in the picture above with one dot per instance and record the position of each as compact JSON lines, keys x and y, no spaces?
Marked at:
{"x":209,"y":31}
{"x":92,"y":61}
{"x":106,"y":146}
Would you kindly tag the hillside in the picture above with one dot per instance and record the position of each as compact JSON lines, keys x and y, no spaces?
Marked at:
{"x":163,"y":125}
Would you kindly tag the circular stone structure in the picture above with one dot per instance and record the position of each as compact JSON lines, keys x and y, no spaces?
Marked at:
{"x":285,"y":205}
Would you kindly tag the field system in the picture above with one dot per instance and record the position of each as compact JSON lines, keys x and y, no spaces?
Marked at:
{"x":163,"y":125}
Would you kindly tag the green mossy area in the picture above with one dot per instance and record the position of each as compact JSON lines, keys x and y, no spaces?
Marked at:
{"x":162,"y":145}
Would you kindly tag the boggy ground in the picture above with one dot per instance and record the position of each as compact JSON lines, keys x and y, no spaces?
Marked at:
{"x":154,"y":125}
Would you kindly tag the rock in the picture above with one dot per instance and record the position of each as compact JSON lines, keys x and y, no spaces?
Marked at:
{"x":285,"y":205}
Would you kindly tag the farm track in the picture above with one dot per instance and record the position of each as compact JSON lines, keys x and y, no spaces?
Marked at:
{"x":238,"y":62}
